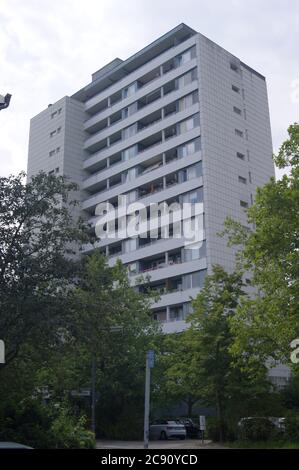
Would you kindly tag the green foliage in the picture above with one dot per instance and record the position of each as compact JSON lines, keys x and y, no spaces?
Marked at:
{"x":70,"y":432}
{"x":266,"y":323}
{"x":125,"y":422}
{"x":257,"y":429}
{"x":37,"y":233}
{"x":224,"y":385}
{"x":292,"y":428}
{"x":27,"y":423}
{"x":40,"y":426}
{"x":290,"y":394}
{"x":58,"y":312}
{"x":175,"y":375}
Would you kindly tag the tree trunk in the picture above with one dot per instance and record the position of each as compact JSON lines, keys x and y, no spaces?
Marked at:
{"x":220,"y":416}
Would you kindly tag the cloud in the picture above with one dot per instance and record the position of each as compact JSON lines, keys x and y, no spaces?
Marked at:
{"x":49,"y":49}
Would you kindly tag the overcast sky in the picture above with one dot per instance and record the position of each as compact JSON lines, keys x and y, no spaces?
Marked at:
{"x":50,"y":48}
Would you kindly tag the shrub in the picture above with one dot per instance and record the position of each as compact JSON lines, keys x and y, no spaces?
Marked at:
{"x":37,"y":425}
{"x":213,"y":430}
{"x":70,"y":432}
{"x":27,"y":422}
{"x":292,"y":428}
{"x":257,"y":429}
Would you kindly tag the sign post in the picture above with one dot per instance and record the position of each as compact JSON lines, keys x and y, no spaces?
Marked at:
{"x":2,"y":352}
{"x":202,"y":427}
{"x":150,"y":361}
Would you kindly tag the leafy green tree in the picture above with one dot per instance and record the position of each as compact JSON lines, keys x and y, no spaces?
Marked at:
{"x":222,"y":383}
{"x":175,"y":376}
{"x":267,"y":322}
{"x":38,"y":236}
{"x":110,"y":323}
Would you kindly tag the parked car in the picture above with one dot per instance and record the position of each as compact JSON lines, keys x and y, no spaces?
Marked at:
{"x":164,"y":429}
{"x":192,"y":429}
{"x":13,"y":445}
{"x":279,"y":423}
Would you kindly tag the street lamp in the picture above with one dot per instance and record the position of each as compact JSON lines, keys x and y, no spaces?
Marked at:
{"x":4,"y":101}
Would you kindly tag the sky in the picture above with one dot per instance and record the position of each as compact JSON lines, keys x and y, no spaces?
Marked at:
{"x":50,"y":48}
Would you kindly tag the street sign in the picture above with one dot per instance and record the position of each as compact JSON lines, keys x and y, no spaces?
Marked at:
{"x":83,"y":392}
{"x":202,"y":423}
{"x":2,"y":352}
{"x":151,"y":358}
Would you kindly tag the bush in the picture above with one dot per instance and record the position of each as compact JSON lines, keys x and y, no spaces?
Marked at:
{"x":37,"y":425}
{"x":27,"y":422}
{"x":213,"y":430}
{"x":257,"y":429}
{"x":292,"y":428}
{"x":70,"y":432}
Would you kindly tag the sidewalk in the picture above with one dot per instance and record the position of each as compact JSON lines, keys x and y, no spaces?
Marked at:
{"x":170,"y":444}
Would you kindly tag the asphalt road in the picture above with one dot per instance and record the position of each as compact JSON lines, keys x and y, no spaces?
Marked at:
{"x":170,"y":444}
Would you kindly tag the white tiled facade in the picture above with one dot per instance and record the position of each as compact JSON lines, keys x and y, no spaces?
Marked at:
{"x":181,"y":120}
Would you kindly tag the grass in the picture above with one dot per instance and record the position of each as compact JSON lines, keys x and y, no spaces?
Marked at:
{"x":263,"y":445}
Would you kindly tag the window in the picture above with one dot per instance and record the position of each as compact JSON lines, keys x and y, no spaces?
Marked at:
{"x":235,"y":89}
{"x":237,"y":110}
{"x":196,"y":251}
{"x":187,"y":101}
{"x":242,"y":180}
{"x":198,"y":278}
{"x":193,"y":171}
{"x":131,"y":196}
{"x":51,"y":153}
{"x":57,"y":170}
{"x":130,"y":90}
{"x":189,"y":148}
{"x":130,"y":152}
{"x":248,"y":155}
{"x":188,"y":124}
{"x":58,"y":130}
{"x":129,"y":131}
{"x":186,"y":79}
{"x":58,"y":150}
{"x":239,"y":133}
{"x":241,"y":155}
{"x":52,"y":133}
{"x":249,"y":175}
{"x":244,"y":204}
{"x":51,"y":172}
{"x":129,"y":110}
{"x":185,"y":57}
{"x":193,"y":196}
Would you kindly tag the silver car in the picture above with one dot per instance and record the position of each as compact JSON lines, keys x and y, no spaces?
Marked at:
{"x":167,"y":430}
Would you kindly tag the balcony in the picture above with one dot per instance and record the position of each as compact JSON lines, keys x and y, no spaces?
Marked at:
{"x":152,"y":73}
{"x":160,"y":261}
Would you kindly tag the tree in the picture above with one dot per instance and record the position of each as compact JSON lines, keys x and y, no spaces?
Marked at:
{"x":266,"y":323}
{"x":38,"y":238}
{"x":223,"y":384}
{"x":112,"y":324}
{"x":175,"y":375}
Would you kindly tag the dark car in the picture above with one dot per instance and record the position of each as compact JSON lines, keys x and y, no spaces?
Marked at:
{"x":192,"y":429}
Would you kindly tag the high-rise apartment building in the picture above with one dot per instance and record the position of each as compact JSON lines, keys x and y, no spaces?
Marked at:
{"x":182,"y":120}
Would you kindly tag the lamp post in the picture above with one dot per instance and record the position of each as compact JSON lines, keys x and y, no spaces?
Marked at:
{"x":4,"y":101}
{"x":2,"y":352}
{"x":150,"y":361}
